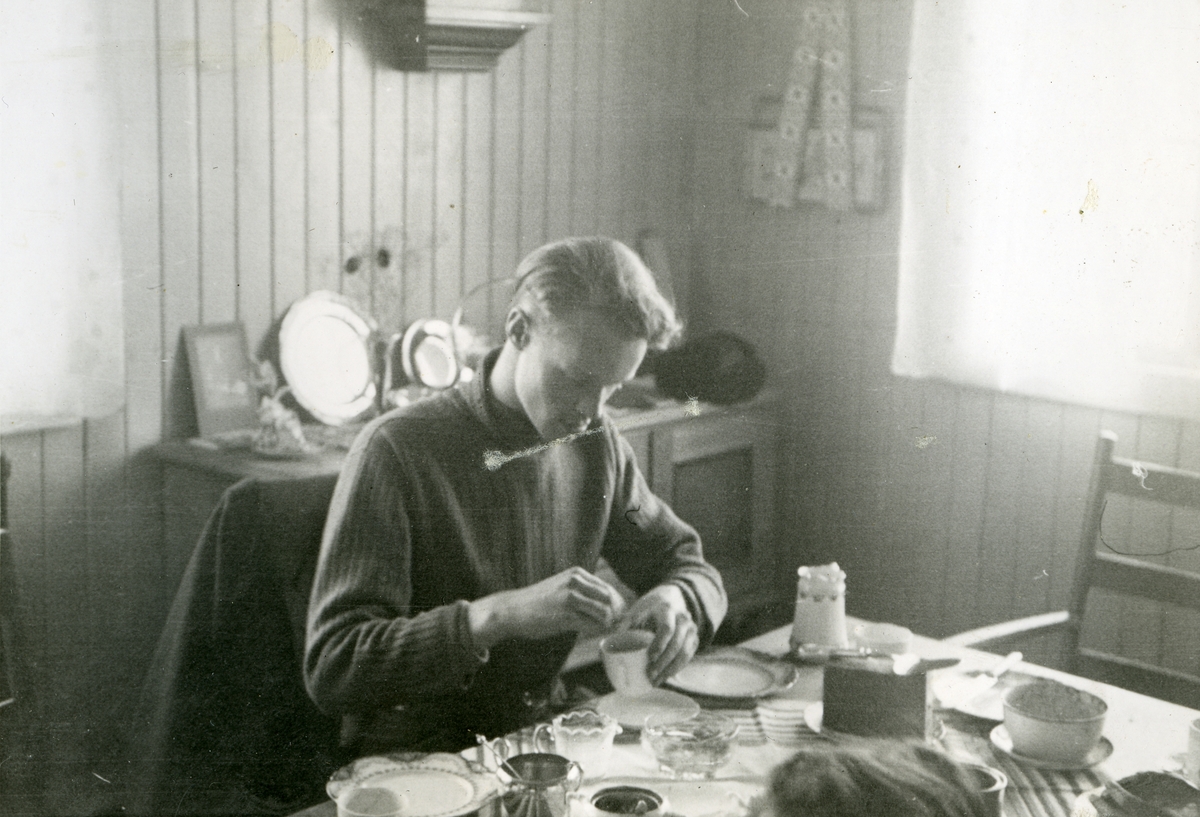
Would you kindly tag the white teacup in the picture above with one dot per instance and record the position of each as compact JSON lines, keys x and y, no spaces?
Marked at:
{"x":625,"y":660}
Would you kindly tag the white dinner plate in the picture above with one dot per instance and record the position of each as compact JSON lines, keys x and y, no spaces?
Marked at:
{"x":733,"y":673}
{"x":988,"y":704}
{"x":631,"y":710}
{"x":1003,"y":741}
{"x":429,"y":785}
{"x":326,"y":354}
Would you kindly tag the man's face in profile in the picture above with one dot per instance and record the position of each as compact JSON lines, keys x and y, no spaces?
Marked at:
{"x":570,"y":366}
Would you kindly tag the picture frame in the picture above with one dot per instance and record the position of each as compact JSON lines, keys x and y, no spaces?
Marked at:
{"x":222,"y":378}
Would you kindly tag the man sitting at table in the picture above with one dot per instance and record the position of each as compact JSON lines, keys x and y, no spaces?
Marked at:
{"x":458,"y":561}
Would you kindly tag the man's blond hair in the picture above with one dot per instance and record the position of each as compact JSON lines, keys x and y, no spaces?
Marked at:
{"x":596,"y":273}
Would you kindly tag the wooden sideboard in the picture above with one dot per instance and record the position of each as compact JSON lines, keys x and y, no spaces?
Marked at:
{"x":715,"y":465}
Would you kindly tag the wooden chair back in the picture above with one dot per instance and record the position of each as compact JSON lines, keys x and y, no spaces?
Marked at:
{"x":1098,"y":567}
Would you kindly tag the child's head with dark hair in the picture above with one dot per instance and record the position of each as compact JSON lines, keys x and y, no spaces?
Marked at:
{"x":877,"y":778}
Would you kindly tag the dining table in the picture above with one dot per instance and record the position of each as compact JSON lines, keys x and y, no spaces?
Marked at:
{"x":1145,"y":734}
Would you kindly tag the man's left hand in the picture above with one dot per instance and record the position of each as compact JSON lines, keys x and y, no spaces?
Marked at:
{"x":664,"y":612}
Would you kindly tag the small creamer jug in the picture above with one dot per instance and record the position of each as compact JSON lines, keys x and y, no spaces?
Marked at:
{"x":820,"y":618}
{"x":539,"y":784}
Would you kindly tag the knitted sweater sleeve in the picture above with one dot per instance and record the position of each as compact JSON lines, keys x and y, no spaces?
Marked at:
{"x":648,"y":545}
{"x":366,"y":649}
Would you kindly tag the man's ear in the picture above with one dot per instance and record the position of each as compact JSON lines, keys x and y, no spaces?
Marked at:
{"x":516,"y":327}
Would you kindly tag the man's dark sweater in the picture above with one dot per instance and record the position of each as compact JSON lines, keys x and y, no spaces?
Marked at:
{"x":420,"y":525}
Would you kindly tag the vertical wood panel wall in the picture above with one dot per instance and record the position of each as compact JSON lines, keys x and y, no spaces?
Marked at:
{"x":262,"y":149}
{"x":949,"y":507}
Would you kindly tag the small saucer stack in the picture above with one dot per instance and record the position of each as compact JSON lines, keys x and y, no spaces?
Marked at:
{"x":750,"y":731}
{"x":788,"y":721}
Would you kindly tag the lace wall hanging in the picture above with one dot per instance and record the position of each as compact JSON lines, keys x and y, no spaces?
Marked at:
{"x":805,"y":147}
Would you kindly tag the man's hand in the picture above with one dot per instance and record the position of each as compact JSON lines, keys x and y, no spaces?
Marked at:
{"x":676,"y":639}
{"x":572,"y":600}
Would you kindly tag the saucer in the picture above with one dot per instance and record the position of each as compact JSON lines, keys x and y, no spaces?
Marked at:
{"x":631,"y":710}
{"x":1002,"y":741}
{"x":790,"y":721}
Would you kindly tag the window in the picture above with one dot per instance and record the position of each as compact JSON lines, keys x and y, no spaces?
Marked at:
{"x":1051,"y":189}
{"x":60,"y":268}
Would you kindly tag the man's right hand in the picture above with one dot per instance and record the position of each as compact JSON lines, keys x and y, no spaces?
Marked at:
{"x":572,"y":600}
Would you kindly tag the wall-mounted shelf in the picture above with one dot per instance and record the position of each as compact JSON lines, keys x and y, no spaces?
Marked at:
{"x":471,"y":36}
{"x":442,"y":35}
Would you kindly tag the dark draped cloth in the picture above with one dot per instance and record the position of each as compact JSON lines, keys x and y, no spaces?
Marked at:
{"x":224,"y":724}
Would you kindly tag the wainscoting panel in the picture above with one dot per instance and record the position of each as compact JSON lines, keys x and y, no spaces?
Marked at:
{"x":263,"y":155}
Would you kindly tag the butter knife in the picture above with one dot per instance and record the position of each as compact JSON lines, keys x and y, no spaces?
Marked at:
{"x":899,"y":663}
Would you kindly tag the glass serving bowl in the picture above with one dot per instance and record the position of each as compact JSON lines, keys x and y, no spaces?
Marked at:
{"x":691,"y":748}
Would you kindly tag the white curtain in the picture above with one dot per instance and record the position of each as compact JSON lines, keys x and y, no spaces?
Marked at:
{"x":61,"y":328}
{"x":1051,"y":192}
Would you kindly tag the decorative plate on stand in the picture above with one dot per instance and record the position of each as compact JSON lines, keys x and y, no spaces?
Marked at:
{"x":326,"y":352}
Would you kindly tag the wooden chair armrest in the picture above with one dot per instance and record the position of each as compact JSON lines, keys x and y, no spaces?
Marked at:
{"x":981,"y":637}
